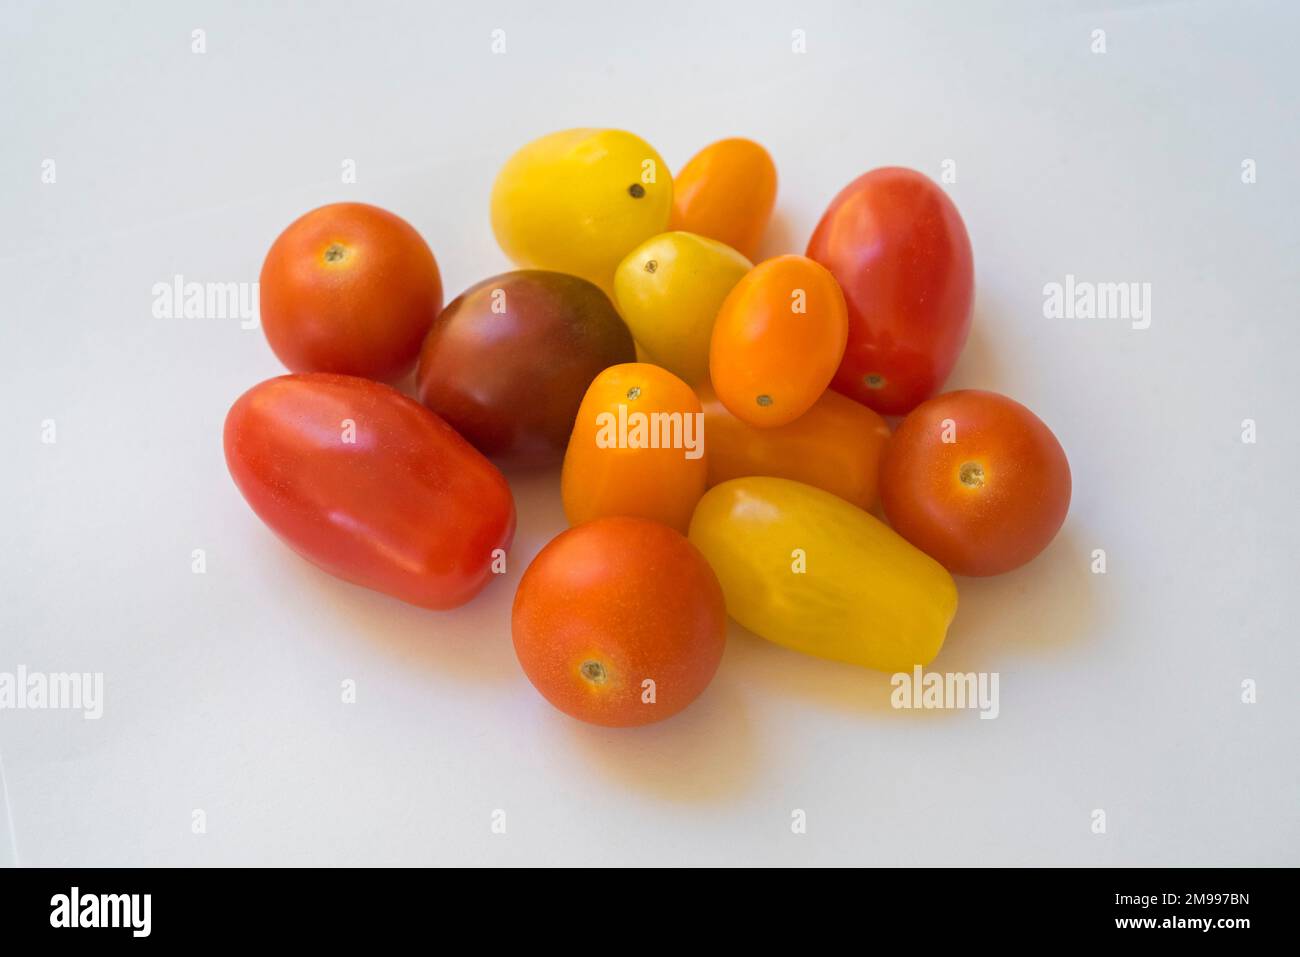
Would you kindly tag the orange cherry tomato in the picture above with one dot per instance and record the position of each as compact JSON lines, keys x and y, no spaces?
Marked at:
{"x":636,"y":448}
{"x":836,"y":446}
{"x":619,"y":622}
{"x":976,"y":481}
{"x":349,"y":288}
{"x":726,"y":192}
{"x":778,"y":340}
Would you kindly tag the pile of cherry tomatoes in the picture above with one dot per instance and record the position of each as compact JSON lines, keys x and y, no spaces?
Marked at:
{"x":719,"y":422}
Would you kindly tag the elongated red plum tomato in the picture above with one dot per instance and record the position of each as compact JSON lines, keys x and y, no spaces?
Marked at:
{"x":509,"y":360}
{"x":898,"y":247}
{"x":620,"y":622}
{"x":371,"y":486}
{"x":349,"y":288}
{"x":976,"y":481}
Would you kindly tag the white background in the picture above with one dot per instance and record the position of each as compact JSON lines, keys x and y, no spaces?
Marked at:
{"x":1119,"y":692}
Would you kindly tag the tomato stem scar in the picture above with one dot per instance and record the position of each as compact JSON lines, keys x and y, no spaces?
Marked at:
{"x":593,"y":671}
{"x":874,"y":380}
{"x":971,"y":474}
{"x":651,"y":265}
{"x":636,"y":190}
{"x":634,"y":392}
{"x":764,"y":400}
{"x":335,"y":253}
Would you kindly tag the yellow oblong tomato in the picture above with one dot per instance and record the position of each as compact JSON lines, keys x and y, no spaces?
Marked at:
{"x":805,"y":569}
{"x":669,"y":290}
{"x":837,"y":445}
{"x":577,"y":201}
{"x":778,"y":340}
{"x":636,"y":449}
{"x":726,"y":192}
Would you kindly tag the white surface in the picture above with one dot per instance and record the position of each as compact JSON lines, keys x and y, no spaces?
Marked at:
{"x":1119,"y":692}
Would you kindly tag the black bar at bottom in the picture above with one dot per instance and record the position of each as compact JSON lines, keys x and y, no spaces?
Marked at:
{"x":93,"y":906}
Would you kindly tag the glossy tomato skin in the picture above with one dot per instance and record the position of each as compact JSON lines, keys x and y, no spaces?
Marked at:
{"x":777,"y":341}
{"x":611,"y":605}
{"x":509,"y":360}
{"x":986,"y":502}
{"x":349,"y":288}
{"x":609,"y":469}
{"x":898,"y":247}
{"x":669,"y":290}
{"x":805,"y":569}
{"x":370,"y":486}
{"x":726,"y":192}
{"x":836,"y":446}
{"x":579,"y":200}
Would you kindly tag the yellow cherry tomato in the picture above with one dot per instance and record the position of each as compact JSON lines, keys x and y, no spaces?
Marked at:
{"x":669,"y":290}
{"x":805,"y":569}
{"x":778,"y":340}
{"x":577,"y":201}
{"x":726,"y":192}
{"x":836,"y":445}
{"x":637,"y":449}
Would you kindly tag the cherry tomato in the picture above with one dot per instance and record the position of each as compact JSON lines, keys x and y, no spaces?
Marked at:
{"x":349,"y":288}
{"x":899,"y":249}
{"x":577,"y":201}
{"x":836,"y":445}
{"x":619,"y":622}
{"x":805,"y":569}
{"x":777,"y":341}
{"x":509,"y":360}
{"x":977,"y":481}
{"x":726,"y":192}
{"x":371,"y":486}
{"x":636,"y":449}
{"x":669,"y":290}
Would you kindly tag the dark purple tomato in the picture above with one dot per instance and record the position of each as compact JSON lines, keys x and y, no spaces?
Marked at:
{"x":508,"y":361}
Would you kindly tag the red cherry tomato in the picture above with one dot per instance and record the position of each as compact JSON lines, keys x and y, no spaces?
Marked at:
{"x":619,"y":622}
{"x":370,"y":485}
{"x":349,"y":288}
{"x":898,"y":247}
{"x":976,"y":481}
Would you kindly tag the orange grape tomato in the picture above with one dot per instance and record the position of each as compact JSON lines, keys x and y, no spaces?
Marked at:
{"x":836,"y":446}
{"x":778,"y":340}
{"x":726,"y":192}
{"x":636,"y":448}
